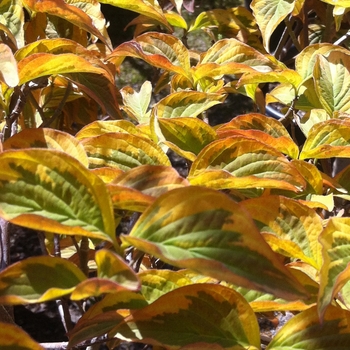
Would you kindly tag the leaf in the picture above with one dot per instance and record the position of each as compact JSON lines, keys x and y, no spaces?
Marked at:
{"x":186,"y":104}
{"x":293,"y":228}
{"x":14,"y":338}
{"x":48,"y":190}
{"x":23,"y":281}
{"x":327,"y":139}
{"x":48,"y":138}
{"x":8,"y":67}
{"x":66,"y":11}
{"x":136,"y":104}
{"x":305,"y":331}
{"x":269,"y":14}
{"x":186,"y":134}
{"x":181,"y":318}
{"x":113,"y":276}
{"x":311,"y":118}
{"x":100,"y":127}
{"x":149,"y":8}
{"x":152,"y":180}
{"x":204,"y":230}
{"x":332,"y":81}
{"x":159,"y":50}
{"x":334,"y":273}
{"x":123,"y":151}
{"x":245,"y":163}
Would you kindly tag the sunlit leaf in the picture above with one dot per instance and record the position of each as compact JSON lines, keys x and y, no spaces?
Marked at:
{"x":123,"y":151}
{"x":8,"y":66}
{"x":335,"y":271}
{"x":181,"y":318}
{"x":113,"y":276}
{"x":294,"y":228}
{"x":160,"y":50}
{"x":48,"y":138}
{"x":13,"y":338}
{"x":327,"y":139}
{"x":175,"y":20}
{"x":247,"y":162}
{"x":186,"y":104}
{"x":49,"y":190}
{"x":23,"y":281}
{"x":204,"y":230}
{"x":305,"y":331}
{"x":311,"y":118}
{"x":332,"y":81}
{"x":151,"y":180}
{"x":269,"y":14}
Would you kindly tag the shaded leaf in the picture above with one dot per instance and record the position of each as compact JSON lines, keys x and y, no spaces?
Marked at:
{"x":46,"y":189}
{"x":293,"y":228}
{"x":181,"y":318}
{"x":334,"y":273}
{"x":48,"y":138}
{"x":204,"y":230}
{"x":327,"y":139}
{"x":306,"y":331}
{"x":8,"y":66}
{"x":15,"y":338}
{"x":23,"y":281}
{"x":123,"y":151}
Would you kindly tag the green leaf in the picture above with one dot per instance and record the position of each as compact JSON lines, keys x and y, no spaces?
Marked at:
{"x":47,"y":138}
{"x":305,"y":331}
{"x":15,"y":338}
{"x":192,"y":315}
{"x":269,"y":14}
{"x":48,"y":190}
{"x":136,"y":104}
{"x":123,"y":151}
{"x":293,"y":228}
{"x":332,"y":81}
{"x":23,"y":281}
{"x":113,"y":276}
{"x":186,"y":134}
{"x":159,"y":50}
{"x":242,"y":162}
{"x":204,"y":230}
{"x":334,"y":274}
{"x":186,"y":104}
{"x":327,"y":139}
{"x":8,"y":67}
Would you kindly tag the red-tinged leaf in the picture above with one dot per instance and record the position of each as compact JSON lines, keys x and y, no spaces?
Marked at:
{"x":48,"y":138}
{"x":293,"y":227}
{"x":68,"y":12}
{"x":328,"y":139}
{"x":100,"y":127}
{"x":43,"y":64}
{"x":305,"y":331}
{"x":148,"y":8}
{"x":160,"y":50}
{"x":15,"y":338}
{"x":186,"y":104}
{"x":152,"y":180}
{"x":181,"y":318}
{"x":128,"y":198}
{"x":23,"y":281}
{"x":269,"y":14}
{"x":113,"y":276}
{"x":8,"y":67}
{"x":123,"y":151}
{"x":49,"y":190}
{"x":283,"y":144}
{"x":248,"y":159}
{"x":204,"y":230}
{"x":187,"y":134}
{"x":335,"y":271}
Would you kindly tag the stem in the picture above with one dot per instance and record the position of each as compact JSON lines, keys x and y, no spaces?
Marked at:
{"x":84,"y":255}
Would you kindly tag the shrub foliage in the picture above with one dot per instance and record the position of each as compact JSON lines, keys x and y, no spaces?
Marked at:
{"x":259,"y":223}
